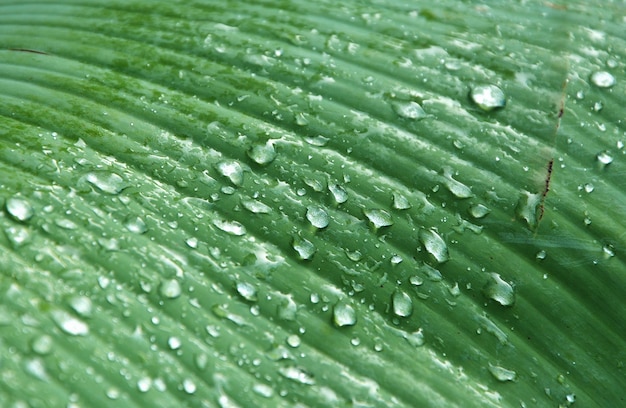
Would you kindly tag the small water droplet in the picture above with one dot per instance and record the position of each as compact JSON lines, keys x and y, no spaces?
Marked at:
{"x":416,"y":280}
{"x":488,"y":97}
{"x":287,"y":308}
{"x":174,"y":343}
{"x":192,"y":242}
{"x":354,"y":256}
{"x":541,"y":255}
{"x":502,"y":374}
{"x":293,"y":340}
{"x":303,"y":247}
{"x":479,"y":211}
{"x":144,"y":384}
{"x":189,"y":386}
{"x":401,"y":303}
{"x":409,"y":110}
{"x":400,"y":202}
{"x":297,"y":374}
{"x":339,"y":193}
{"x":263,"y":154}
{"x":255,"y":207}
{"x":42,"y":345}
{"x":18,"y":235}
{"x":135,"y":225}
{"x":231,"y":227}
{"x":170,"y":289}
{"x":317,"y":216}
{"x":105,"y":181}
{"x":603,"y":79}
{"x":112,"y":393}
{"x":19,"y":209}
{"x":608,"y":251}
{"x":434,"y":245}
{"x":378,"y":218}
{"x":604,"y":158}
{"x":69,"y":324}
{"x":344,"y":315}
{"x":597,"y":107}
{"x":231,"y":170}
{"x":247,"y":291}
{"x":82,"y":305}
{"x":416,"y":339}
{"x":588,"y":187}
{"x":318,"y":141}
{"x":457,"y":188}
{"x":499,"y":290}
{"x":263,"y":390}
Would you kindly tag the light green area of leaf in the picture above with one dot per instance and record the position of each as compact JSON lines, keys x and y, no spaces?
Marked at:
{"x":288,"y":203}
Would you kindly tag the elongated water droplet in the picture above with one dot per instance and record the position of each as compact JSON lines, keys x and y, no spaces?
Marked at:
{"x":255,"y":206}
{"x":603,"y":79}
{"x":297,"y":374}
{"x":479,"y":211}
{"x":263,"y":154}
{"x":434,"y":245}
{"x":344,"y":315}
{"x":19,"y":209}
{"x":105,"y":181}
{"x":457,"y":188}
{"x":231,"y":227}
{"x":378,"y":218}
{"x":499,"y":290}
{"x":401,"y":303}
{"x":409,"y":110}
{"x":303,"y":247}
{"x":317,"y":216}
{"x":231,"y":170}
{"x":339,"y":193}
{"x":502,"y":374}
{"x":488,"y":97}
{"x":69,"y":324}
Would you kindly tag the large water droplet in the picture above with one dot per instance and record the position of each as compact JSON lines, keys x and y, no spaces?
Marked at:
{"x":344,"y":315}
{"x":457,"y":188}
{"x":528,"y":208}
{"x":19,"y":209}
{"x":69,"y":324}
{"x":339,"y":193}
{"x":247,"y":291}
{"x":297,"y":374}
{"x":401,"y":304}
{"x":105,"y":181}
{"x":263,"y":154}
{"x":317,"y":216}
{"x":409,"y":110}
{"x":488,"y":97}
{"x":603,"y":79}
{"x":232,"y":170}
{"x":303,"y":247}
{"x":400,"y":202}
{"x":231,"y":227}
{"x":378,"y":218}
{"x":502,"y":374}
{"x":499,"y":290}
{"x":434,"y":245}
{"x":170,"y":289}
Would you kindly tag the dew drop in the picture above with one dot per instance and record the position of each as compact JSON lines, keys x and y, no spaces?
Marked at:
{"x":189,"y":386}
{"x":42,"y":345}
{"x":317,"y":216}
{"x":488,"y":97}
{"x":457,"y":188}
{"x":344,"y":315}
{"x":499,"y":290}
{"x":247,"y":291}
{"x":502,"y":374}
{"x":340,"y":195}
{"x":144,"y":384}
{"x":231,"y":170}
{"x":528,"y":208}
{"x":401,"y":303}
{"x":192,"y":242}
{"x":318,"y":141}
{"x":297,"y":374}
{"x":19,"y":209}
{"x":105,"y":181}
{"x":262,"y":154}
{"x":541,"y":255}
{"x":293,"y":341}
{"x":434,"y":245}
{"x":82,"y":305}
{"x":416,"y":339}
{"x":170,"y":289}
{"x":409,"y":110}
{"x":603,"y":79}
{"x":174,"y":343}
{"x":479,"y":211}
{"x":135,"y":224}
{"x":588,"y":187}
{"x":303,"y":247}
{"x":255,"y":207}
{"x":69,"y":324}
{"x":604,"y":158}
{"x":231,"y":227}
{"x":263,"y":390}
{"x":400,"y":202}
{"x":378,"y":218}
{"x":416,"y":280}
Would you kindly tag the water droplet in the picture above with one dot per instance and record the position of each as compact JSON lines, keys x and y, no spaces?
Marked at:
{"x":255,"y":207}
{"x":303,"y":247}
{"x":588,"y":187}
{"x":18,"y":235}
{"x":144,"y":384}
{"x":401,"y":304}
{"x":82,"y":305}
{"x":416,"y":280}
{"x":344,"y":315}
{"x":488,"y":97}
{"x":317,"y":216}
{"x":434,"y":245}
{"x":431,"y":273}
{"x":297,"y":374}
{"x":263,"y":154}
{"x":105,"y":181}
{"x":174,"y":343}
{"x":135,"y":225}
{"x":170,"y":289}
{"x":232,"y":170}
{"x":541,"y":255}
{"x":528,"y":208}
{"x":416,"y":339}
{"x":192,"y":242}
{"x":19,"y":209}
{"x":409,"y":110}
{"x":400,"y":202}
{"x":339,"y":193}
{"x":318,"y":141}
{"x":69,"y":324}
{"x":608,"y":251}
{"x":603,"y":79}
{"x":247,"y":291}
{"x":499,"y":290}
{"x":189,"y":386}
{"x":597,"y":107}
{"x":231,"y":227}
{"x":378,"y":218}
{"x":294,"y":340}
{"x":604,"y":158}
{"x":457,"y":188}
{"x":42,"y":345}
{"x":65,"y":224}
{"x":501,"y":373}
{"x":263,"y":390}
{"x":287,"y":308}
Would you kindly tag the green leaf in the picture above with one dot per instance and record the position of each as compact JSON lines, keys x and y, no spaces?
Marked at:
{"x":279,"y":203}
